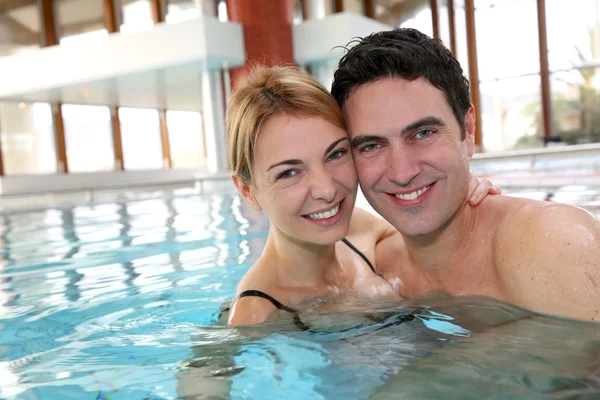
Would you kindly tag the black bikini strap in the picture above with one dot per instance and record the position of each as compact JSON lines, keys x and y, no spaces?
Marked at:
{"x":357,"y":251}
{"x":258,"y":293}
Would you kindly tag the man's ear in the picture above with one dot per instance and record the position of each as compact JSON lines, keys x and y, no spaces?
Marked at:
{"x":246,"y":192}
{"x":470,"y":130}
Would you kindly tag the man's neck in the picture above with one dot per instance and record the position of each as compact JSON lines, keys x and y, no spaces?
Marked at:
{"x":435,"y":252}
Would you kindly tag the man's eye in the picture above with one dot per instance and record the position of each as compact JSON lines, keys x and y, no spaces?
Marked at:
{"x":370,"y":147}
{"x":425,"y":133}
{"x":287,"y":174}
{"x":337,"y":154}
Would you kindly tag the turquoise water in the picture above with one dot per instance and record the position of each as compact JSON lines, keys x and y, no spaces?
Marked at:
{"x":120,"y":301}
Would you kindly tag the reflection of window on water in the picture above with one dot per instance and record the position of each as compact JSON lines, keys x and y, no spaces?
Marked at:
{"x":137,"y":16}
{"x":27,"y":135}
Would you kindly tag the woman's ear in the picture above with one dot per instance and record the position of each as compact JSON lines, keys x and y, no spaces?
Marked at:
{"x":246,"y":192}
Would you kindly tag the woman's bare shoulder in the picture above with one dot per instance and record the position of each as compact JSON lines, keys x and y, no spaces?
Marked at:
{"x":252,"y":310}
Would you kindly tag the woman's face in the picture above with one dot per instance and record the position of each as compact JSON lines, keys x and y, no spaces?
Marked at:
{"x":304,"y":178}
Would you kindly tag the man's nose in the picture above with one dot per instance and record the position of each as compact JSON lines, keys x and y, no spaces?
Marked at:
{"x":323,"y":186}
{"x":402,"y":165}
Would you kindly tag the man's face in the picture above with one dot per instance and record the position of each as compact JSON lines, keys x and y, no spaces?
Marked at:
{"x":411,"y":161}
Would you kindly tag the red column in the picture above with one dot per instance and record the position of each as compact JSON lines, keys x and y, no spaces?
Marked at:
{"x":267,"y":26}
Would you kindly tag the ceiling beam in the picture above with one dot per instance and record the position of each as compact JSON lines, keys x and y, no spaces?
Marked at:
{"x":9,"y":5}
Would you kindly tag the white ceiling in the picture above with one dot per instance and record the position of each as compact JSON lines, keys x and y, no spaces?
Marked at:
{"x":158,"y":68}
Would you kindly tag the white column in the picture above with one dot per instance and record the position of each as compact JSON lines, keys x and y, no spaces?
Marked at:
{"x":317,"y":9}
{"x":213,"y":112}
{"x":206,"y":8}
{"x":213,"y":105}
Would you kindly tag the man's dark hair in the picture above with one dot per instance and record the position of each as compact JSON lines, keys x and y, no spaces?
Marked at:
{"x":405,"y":54}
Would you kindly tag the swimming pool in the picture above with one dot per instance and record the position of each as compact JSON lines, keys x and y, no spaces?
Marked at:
{"x":117,"y":299}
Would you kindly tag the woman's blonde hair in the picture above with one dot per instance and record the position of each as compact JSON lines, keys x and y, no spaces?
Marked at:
{"x":269,"y":92}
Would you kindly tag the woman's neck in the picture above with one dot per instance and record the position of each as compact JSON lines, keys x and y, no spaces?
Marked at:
{"x":301,"y":264}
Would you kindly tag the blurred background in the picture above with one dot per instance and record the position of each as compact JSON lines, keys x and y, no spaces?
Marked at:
{"x":90,"y":89}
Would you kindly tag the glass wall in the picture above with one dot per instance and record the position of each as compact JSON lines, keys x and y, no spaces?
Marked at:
{"x":574,"y":58}
{"x":180,"y":10}
{"x":409,"y":14}
{"x":19,"y":27}
{"x":88,"y":137}
{"x":509,"y":74}
{"x":140,"y":134}
{"x":27,"y":138}
{"x":79,"y":20}
{"x":186,"y":139}
{"x":460,"y":25}
{"x":136,"y":16}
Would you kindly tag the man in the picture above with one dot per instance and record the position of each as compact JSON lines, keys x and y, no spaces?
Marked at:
{"x":411,"y":125}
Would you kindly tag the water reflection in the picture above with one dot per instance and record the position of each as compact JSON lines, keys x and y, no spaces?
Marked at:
{"x":119,"y":299}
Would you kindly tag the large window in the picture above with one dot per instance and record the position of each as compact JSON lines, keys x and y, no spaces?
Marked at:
{"x":186,"y":139}
{"x":509,"y":74}
{"x":140,"y":133}
{"x":27,"y":135}
{"x":78,"y":20}
{"x":19,"y":27}
{"x":180,"y":10}
{"x":88,"y":137}
{"x":137,"y":15}
{"x":419,"y":18}
{"x":574,"y":58}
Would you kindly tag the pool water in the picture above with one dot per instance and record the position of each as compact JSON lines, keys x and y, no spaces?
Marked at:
{"x":119,"y":300}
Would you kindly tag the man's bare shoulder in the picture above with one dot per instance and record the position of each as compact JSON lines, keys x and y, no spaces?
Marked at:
{"x":548,"y":257}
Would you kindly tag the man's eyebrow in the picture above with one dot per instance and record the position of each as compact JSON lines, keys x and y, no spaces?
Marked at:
{"x":359,"y":140}
{"x":427,"y":121}
{"x":285,"y":162}
{"x":332,"y":145}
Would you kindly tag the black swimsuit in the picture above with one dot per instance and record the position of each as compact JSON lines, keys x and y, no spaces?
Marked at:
{"x":297,"y":321}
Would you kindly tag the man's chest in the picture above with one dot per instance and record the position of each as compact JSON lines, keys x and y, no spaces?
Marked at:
{"x":472,"y":275}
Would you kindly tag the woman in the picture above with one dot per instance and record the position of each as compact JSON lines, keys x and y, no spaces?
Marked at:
{"x":291,"y":158}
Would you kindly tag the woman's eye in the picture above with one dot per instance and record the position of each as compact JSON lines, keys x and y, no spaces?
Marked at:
{"x":425,"y":133}
{"x":337,"y":154}
{"x":287,"y":174}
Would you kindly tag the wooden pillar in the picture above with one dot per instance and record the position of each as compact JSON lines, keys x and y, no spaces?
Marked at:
{"x":268,"y":43}
{"x":452,"y":27}
{"x":50,"y":38}
{"x":110,"y":16}
{"x":544,"y":69}
{"x":157,"y":9}
{"x":369,"y":7}
{"x":61,"y":144}
{"x":435,"y":18}
{"x":164,"y":134}
{"x":338,"y":6}
{"x":473,"y":69}
{"x":110,"y":23}
{"x":117,"y":139}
